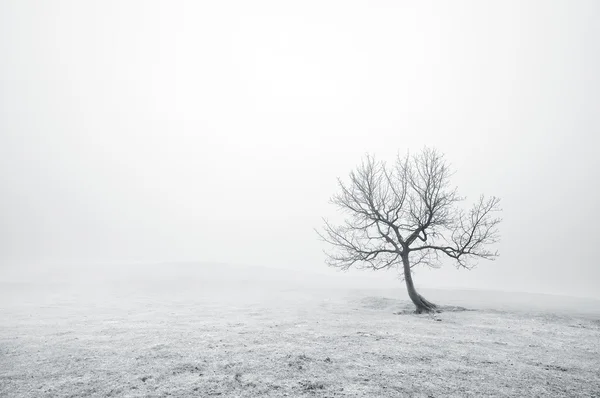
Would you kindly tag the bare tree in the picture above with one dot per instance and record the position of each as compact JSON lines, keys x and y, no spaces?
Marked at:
{"x":407,"y":215}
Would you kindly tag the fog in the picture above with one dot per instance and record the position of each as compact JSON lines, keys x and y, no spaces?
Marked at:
{"x":146,"y":132}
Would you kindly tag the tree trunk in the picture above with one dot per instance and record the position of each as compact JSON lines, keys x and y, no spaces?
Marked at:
{"x":419,"y":301}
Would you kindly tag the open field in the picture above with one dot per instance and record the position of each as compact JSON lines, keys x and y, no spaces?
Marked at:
{"x":159,"y":336}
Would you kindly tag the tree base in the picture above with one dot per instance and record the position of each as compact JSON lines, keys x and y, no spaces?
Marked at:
{"x":425,"y":306}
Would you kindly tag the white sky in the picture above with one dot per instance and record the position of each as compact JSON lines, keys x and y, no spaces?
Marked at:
{"x":146,"y":131}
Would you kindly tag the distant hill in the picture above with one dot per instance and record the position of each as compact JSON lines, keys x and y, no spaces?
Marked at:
{"x":214,"y":278}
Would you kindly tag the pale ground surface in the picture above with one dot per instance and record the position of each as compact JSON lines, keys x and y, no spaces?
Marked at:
{"x":181,"y":333}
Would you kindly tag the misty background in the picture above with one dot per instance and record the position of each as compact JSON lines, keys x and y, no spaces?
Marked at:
{"x":147,"y":132}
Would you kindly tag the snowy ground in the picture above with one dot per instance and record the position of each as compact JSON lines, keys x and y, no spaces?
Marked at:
{"x":189,"y":333}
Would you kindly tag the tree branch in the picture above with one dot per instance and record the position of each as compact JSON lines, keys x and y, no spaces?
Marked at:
{"x":389,"y":209}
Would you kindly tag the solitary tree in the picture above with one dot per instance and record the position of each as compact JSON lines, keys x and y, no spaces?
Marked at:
{"x":407,"y":214}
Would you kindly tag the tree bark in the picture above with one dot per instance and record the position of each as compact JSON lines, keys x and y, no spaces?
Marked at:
{"x":421,"y":304}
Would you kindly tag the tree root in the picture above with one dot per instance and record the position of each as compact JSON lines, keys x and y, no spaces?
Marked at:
{"x":425,"y":306}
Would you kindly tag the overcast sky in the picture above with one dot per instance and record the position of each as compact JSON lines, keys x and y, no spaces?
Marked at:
{"x":146,"y":131}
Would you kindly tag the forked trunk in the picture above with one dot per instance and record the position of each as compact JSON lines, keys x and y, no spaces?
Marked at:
{"x":419,"y":301}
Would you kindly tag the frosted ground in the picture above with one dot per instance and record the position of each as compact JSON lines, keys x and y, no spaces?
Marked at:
{"x":202,"y":331}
